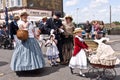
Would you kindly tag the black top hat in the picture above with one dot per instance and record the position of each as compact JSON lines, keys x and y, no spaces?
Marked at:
{"x":57,"y":13}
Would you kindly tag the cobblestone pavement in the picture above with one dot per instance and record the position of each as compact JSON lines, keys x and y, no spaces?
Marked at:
{"x":61,"y":72}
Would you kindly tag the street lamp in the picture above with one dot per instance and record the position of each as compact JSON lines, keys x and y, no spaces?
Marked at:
{"x":77,"y":16}
{"x":110,"y":16}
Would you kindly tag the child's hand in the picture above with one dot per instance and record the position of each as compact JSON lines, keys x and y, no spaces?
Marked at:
{"x":87,"y":51}
{"x":90,"y":50}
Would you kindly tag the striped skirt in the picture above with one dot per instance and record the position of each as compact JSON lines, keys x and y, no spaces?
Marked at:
{"x":27,"y":56}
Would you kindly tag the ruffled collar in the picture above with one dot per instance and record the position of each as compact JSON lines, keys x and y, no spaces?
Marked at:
{"x":79,"y":38}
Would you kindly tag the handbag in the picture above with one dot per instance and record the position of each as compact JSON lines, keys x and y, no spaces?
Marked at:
{"x":22,"y":34}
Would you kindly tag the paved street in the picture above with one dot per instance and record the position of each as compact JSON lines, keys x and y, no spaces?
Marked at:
{"x":48,"y":73}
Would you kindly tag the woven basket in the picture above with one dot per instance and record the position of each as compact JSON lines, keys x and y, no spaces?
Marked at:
{"x":22,"y":34}
{"x":91,"y":44}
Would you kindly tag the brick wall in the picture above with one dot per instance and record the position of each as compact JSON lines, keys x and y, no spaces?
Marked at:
{"x":46,"y":4}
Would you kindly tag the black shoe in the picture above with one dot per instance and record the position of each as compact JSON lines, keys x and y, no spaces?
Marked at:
{"x":55,"y":64}
{"x":51,"y":64}
{"x":71,"y":69}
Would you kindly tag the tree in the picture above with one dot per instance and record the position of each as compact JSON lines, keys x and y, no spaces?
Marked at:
{"x":116,"y":22}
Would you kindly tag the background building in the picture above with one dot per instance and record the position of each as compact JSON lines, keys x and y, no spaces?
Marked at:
{"x":35,"y":8}
{"x":54,"y":5}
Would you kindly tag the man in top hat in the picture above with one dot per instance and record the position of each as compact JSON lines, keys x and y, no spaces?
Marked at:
{"x":53,"y":25}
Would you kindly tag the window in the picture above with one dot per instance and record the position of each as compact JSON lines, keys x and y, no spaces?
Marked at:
{"x":7,"y":3}
{"x":19,"y":2}
{"x":1,"y":1}
{"x":16,"y":3}
{"x":12,"y":3}
{"x":1,"y":4}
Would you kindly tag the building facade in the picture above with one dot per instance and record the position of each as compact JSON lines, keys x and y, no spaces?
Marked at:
{"x":55,"y":5}
{"x":10,"y":3}
{"x":35,"y":8}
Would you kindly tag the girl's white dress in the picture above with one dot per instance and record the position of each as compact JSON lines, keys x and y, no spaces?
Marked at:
{"x":52,"y":49}
{"x":80,"y":60}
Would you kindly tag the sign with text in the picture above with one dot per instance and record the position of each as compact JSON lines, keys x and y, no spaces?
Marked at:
{"x":31,"y":12}
{"x":41,"y":13}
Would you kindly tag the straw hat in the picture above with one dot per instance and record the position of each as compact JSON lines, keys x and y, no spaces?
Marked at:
{"x":24,"y":14}
{"x":44,"y":17}
{"x":68,"y":17}
{"x":16,"y":17}
{"x":77,"y":30}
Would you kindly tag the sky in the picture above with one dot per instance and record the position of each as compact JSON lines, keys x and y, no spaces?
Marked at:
{"x":83,"y":10}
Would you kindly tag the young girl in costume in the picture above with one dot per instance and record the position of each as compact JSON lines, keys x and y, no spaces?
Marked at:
{"x":79,"y":59}
{"x":52,"y":50}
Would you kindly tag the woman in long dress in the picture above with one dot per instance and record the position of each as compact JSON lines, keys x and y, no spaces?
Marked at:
{"x":27,"y":54}
{"x":68,"y":39}
{"x":79,"y":59}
